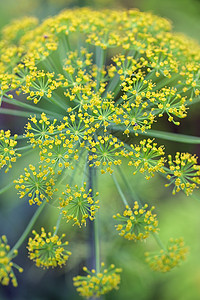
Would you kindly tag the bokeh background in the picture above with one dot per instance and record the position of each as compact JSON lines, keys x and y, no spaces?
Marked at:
{"x":178,"y":215}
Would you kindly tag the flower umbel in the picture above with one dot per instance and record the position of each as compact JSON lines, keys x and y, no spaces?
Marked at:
{"x":184,"y":173}
{"x":137,"y":223}
{"x":37,"y":185}
{"x":147,"y":158}
{"x":48,"y":250}
{"x":6,"y":264}
{"x":92,"y":84}
{"x":169,"y":258}
{"x":7,"y":153}
{"x":78,"y":205}
{"x":97,"y":284}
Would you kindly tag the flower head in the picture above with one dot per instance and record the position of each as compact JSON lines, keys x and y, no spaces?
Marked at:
{"x":97,"y":284}
{"x":137,"y":223}
{"x":169,"y":258}
{"x":8,"y":154}
{"x":6,"y":264}
{"x":184,"y":173}
{"x":77,"y":204}
{"x":147,"y":158}
{"x":38,"y":185}
{"x":48,"y":250}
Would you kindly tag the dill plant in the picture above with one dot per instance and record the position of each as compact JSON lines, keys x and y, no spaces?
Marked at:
{"x":88,"y":85}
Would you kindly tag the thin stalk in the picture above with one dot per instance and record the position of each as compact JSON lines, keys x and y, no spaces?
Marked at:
{"x":100,"y":58}
{"x":97,"y":234}
{"x":94,"y":261}
{"x":24,"y":148}
{"x":70,"y":182}
{"x":28,"y":228}
{"x":58,"y":222}
{"x":155,"y":235}
{"x":120,"y":190}
{"x":28,"y":106}
{"x":159,"y":242}
{"x":128,"y":186}
{"x":97,"y":242}
{"x":6,"y":188}
{"x":13,"y":112}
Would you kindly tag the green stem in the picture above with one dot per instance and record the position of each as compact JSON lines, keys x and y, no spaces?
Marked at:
{"x":120,"y":190}
{"x":159,"y":242}
{"x":6,"y":188}
{"x":155,"y":235}
{"x":131,"y":192}
{"x":28,"y":106}
{"x":13,"y":112}
{"x":94,"y":227}
{"x":97,"y":242}
{"x":28,"y":228}
{"x":24,"y":148}
{"x":100,"y":58}
{"x":70,"y":182}
{"x":58,"y":222}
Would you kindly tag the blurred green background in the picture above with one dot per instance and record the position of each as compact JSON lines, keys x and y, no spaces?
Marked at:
{"x":178,"y":215}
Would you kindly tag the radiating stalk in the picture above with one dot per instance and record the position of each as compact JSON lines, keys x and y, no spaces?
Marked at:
{"x":28,"y":228}
{"x":159,"y":242}
{"x":29,"y":106}
{"x":120,"y":190}
{"x":131,"y":192}
{"x":94,"y":241}
{"x":6,"y":188}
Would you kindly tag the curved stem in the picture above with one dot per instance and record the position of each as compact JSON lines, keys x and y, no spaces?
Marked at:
{"x":120,"y":190}
{"x":94,"y":261}
{"x":128,"y":186}
{"x":6,"y":188}
{"x":70,"y":182}
{"x":28,"y":228}
{"x":159,"y":242}
{"x":97,"y":243}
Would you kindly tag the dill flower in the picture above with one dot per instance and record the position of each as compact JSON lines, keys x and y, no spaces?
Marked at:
{"x":183,"y":172}
{"x":103,"y":152}
{"x":147,"y":158}
{"x":39,"y":131}
{"x":48,"y":250}
{"x":6,"y":264}
{"x":169,"y":258}
{"x":8,"y":154}
{"x":92,"y":96}
{"x":38,"y":185}
{"x":95,"y":283}
{"x":137,"y":223}
{"x":90,"y":102}
{"x":77,"y":204}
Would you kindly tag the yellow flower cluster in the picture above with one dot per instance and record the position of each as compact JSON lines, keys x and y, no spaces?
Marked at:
{"x":96,"y":284}
{"x":45,"y":63}
{"x":39,"y":84}
{"x":7,"y":153}
{"x":137,"y":223}
{"x":77,"y":204}
{"x":104,"y":152}
{"x":129,"y":71}
{"x":17,"y":28}
{"x":38,"y":185}
{"x":39,"y":131}
{"x":6,"y":264}
{"x":169,"y":258}
{"x":48,"y":250}
{"x":147,"y":158}
{"x":184,"y":173}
